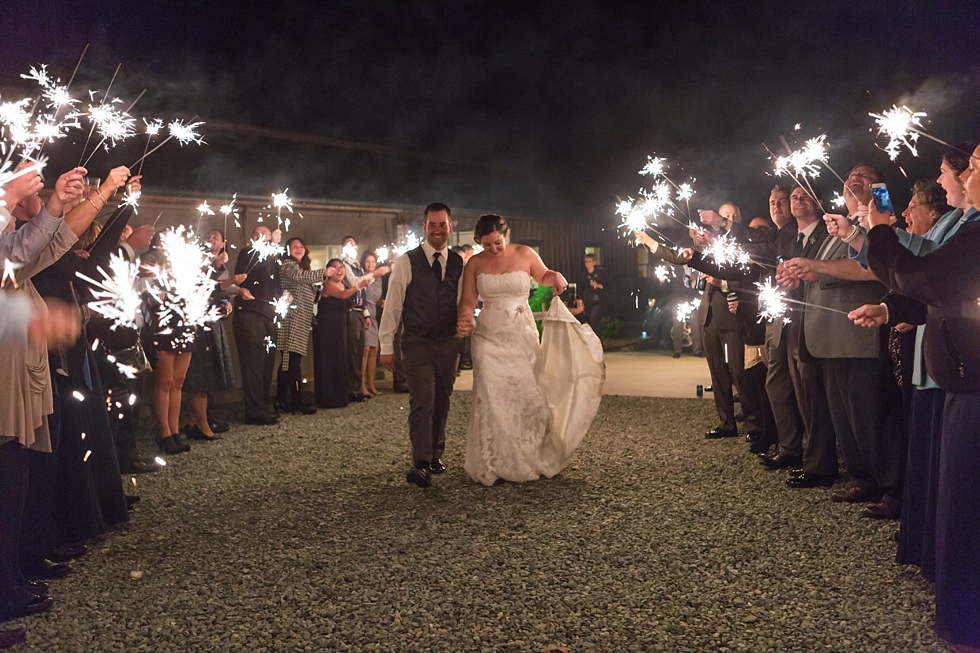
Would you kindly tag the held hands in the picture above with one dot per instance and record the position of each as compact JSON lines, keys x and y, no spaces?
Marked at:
{"x":786,"y":278}
{"x":869,"y":315}
{"x":465,"y":325}
{"x":803,"y":268}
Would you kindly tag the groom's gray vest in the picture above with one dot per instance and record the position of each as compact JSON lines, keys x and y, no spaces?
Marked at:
{"x":430,"y":304}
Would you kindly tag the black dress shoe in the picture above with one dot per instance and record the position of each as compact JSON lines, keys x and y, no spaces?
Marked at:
{"x":355,"y":398}
{"x":37,"y":587}
{"x":46,"y":570}
{"x":137,"y":465}
{"x":752,"y":436}
{"x":301,"y":409}
{"x":66,"y":552}
{"x":195,"y":433}
{"x":437,"y":466}
{"x":420,"y":475}
{"x":761,"y":447}
{"x":131,"y":501}
{"x":36,"y":605}
{"x":169,"y":446}
{"x":677,"y":354}
{"x":805,"y":480}
{"x":709,"y":388}
{"x":261,"y":420}
{"x":781,"y":461}
{"x":717,"y":433}
{"x":218,"y":427}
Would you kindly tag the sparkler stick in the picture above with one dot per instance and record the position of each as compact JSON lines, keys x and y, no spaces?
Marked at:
{"x":92,"y":128}
{"x":808,"y":192}
{"x":152,"y":129}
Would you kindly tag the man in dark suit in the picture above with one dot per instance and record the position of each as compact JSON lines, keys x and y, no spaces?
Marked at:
{"x":819,"y":448}
{"x":422,"y":298}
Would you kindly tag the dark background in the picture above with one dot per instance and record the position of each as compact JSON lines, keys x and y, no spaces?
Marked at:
{"x":542,"y":109}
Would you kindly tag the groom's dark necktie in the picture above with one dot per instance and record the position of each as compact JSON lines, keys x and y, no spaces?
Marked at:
{"x":437,"y":266}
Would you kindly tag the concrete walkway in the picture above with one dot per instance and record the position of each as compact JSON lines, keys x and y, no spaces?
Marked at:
{"x":643,"y":374}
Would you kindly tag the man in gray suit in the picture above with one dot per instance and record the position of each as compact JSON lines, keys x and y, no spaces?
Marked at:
{"x":863,"y":397}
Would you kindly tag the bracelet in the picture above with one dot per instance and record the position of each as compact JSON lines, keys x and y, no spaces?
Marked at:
{"x":89,"y":200}
{"x":98,"y":191}
{"x":888,"y":316}
{"x":855,"y":232}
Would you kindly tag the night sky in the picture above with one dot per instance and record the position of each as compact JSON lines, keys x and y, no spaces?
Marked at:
{"x":538,"y":109}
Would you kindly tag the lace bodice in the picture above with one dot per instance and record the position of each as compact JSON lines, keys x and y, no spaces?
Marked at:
{"x":506,"y":287}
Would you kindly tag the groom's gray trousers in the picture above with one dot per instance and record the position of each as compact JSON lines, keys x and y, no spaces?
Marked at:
{"x":430,"y":369}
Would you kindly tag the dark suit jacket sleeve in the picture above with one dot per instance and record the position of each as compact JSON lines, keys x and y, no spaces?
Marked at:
{"x":108,"y":240}
{"x":902,"y":309}
{"x":932,"y":279}
{"x":747,"y":274}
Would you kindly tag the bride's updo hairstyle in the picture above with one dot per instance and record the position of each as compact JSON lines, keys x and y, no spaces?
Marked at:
{"x":489,"y":223}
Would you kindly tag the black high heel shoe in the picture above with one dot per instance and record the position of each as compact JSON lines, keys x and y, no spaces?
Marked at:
{"x":169,"y":446}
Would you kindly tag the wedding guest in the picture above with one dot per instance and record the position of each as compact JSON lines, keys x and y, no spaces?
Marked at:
{"x":254,"y":327}
{"x":372,"y":295}
{"x":173,"y":344}
{"x":210,"y":369}
{"x":357,"y":320}
{"x":330,"y":346}
{"x":944,"y":283}
{"x":300,"y":282}
{"x":595,"y":296}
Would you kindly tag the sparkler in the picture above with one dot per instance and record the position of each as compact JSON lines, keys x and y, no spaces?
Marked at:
{"x":228,"y":209}
{"x":112,"y":124}
{"x":349,"y":252}
{"x":411,"y":241}
{"x":726,"y":252}
{"x":151,"y":129}
{"x":381,"y":254}
{"x":185,"y":133}
{"x":131,"y":199}
{"x":261,"y":250}
{"x":901,"y":126}
{"x":686,"y":309}
{"x":281,"y":201}
{"x":185,"y":284}
{"x":663,"y":273}
{"x":772,"y":302}
{"x":117,"y":297}
{"x":805,"y":161}
{"x":280,"y":307}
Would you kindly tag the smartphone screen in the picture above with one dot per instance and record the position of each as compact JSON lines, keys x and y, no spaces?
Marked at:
{"x":882,"y":199}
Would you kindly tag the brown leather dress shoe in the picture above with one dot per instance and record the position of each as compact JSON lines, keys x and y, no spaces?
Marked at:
{"x":882,"y":510}
{"x":855,"y":494}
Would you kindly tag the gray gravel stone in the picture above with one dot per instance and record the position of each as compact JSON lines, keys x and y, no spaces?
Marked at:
{"x":305,"y":537}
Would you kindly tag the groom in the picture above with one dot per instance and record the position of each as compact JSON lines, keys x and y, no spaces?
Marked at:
{"x":422,"y":294}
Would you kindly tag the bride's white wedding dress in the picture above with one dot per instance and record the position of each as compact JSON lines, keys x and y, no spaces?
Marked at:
{"x":532,"y":403}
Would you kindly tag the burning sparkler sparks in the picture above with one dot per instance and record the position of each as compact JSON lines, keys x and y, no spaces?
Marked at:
{"x":111,"y":123}
{"x":686,"y":309}
{"x":229,"y":208}
{"x":205,"y":209}
{"x":663,"y":273}
{"x":805,"y":161}
{"x":772,"y":302}
{"x":901,"y":125}
{"x":186,"y":284}
{"x":280,"y":308}
{"x":116,"y":296}
{"x":185,"y":133}
{"x":381,"y":255}
{"x":726,"y":253}
{"x":838,"y":201}
{"x":131,"y":199}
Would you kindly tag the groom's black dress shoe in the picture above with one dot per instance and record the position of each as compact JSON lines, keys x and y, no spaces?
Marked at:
{"x":714,"y":434}
{"x":420,"y":476}
{"x":436,"y":466}
{"x":782,"y":461}
{"x":806,"y":480}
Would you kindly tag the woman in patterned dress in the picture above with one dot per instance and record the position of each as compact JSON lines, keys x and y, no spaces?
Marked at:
{"x":297,"y":279}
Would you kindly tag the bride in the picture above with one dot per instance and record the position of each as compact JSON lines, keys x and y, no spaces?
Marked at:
{"x":532,"y":404}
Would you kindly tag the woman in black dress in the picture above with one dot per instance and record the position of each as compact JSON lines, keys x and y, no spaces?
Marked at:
{"x":330,"y":337}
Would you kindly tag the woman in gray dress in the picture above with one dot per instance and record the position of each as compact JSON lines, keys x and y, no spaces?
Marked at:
{"x":297,"y":279}
{"x":372,"y":294}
